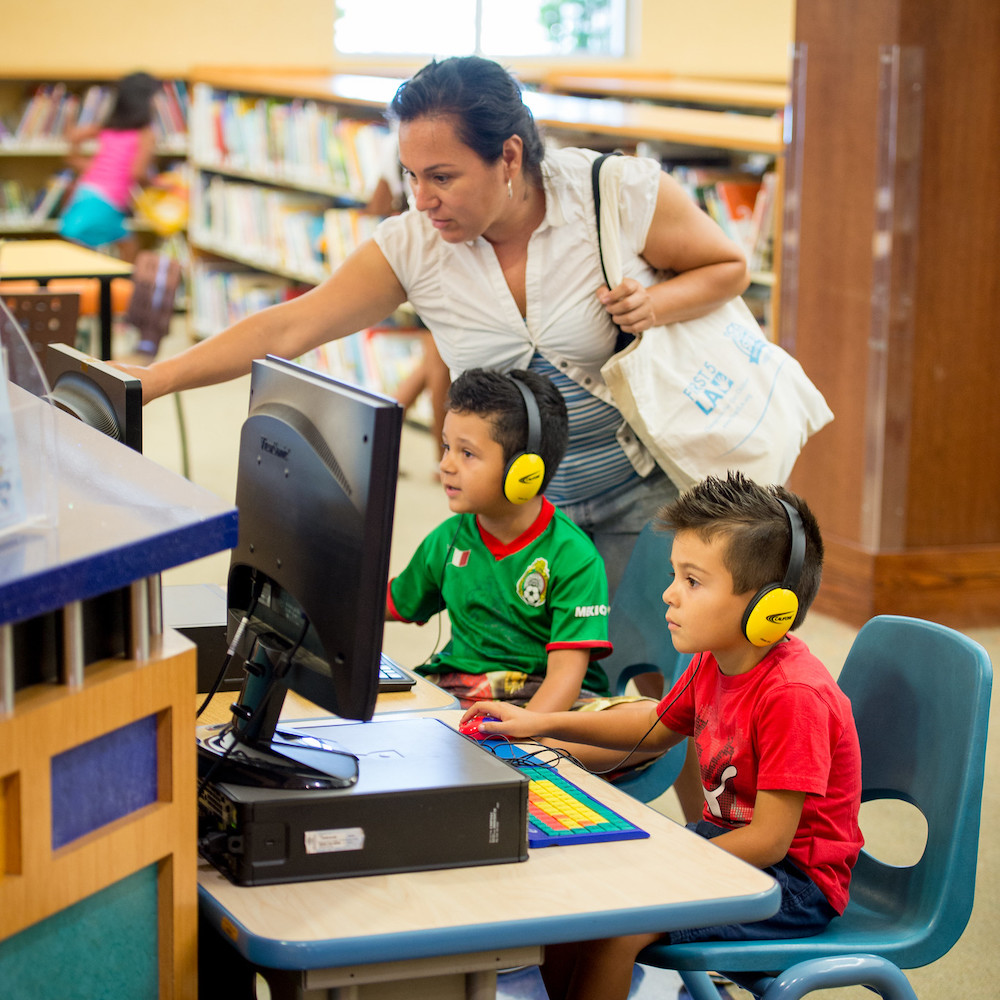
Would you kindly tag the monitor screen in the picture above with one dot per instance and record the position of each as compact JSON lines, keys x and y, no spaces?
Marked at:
{"x":315,"y":490}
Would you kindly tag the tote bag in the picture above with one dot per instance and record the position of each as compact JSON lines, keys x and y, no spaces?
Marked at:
{"x":710,"y":394}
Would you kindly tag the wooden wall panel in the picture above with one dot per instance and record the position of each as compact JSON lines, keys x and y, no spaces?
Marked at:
{"x":907,"y":477}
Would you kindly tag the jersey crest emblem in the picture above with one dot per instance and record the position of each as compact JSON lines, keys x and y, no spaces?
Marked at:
{"x":534,"y":584}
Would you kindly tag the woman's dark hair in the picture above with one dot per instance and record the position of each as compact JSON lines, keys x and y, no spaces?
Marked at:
{"x":485,"y":101}
{"x":133,"y":107}
{"x":493,"y":396}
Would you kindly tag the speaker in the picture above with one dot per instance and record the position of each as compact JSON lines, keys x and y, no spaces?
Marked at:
{"x":525,"y":472}
{"x":773,"y":609}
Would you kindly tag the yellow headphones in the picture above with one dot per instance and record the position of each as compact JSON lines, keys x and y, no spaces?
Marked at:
{"x":525,"y":472}
{"x":773,"y":609}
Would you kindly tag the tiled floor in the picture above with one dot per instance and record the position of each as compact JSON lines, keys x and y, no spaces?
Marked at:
{"x":213,"y":417}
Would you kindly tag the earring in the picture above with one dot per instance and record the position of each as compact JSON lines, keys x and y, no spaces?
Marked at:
{"x":510,"y":189}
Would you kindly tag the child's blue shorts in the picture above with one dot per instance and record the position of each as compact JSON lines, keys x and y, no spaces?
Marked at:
{"x":91,"y":219}
{"x":804,"y":910}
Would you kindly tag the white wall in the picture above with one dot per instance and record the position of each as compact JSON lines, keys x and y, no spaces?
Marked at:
{"x":740,"y":39}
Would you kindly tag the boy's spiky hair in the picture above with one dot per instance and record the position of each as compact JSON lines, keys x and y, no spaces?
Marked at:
{"x":756,"y":528}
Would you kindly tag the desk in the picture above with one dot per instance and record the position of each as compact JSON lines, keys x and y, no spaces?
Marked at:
{"x":126,"y":857}
{"x":43,"y":260}
{"x":446,"y":933}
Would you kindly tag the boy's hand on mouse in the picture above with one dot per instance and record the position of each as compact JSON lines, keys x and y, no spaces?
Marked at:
{"x":515,"y":722}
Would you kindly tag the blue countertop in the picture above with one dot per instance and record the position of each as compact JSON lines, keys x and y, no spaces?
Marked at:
{"x":121,"y":517}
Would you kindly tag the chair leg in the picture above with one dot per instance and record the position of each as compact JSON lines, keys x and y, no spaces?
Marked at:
{"x":700,"y":985}
{"x":876,"y":973}
{"x":182,"y":431}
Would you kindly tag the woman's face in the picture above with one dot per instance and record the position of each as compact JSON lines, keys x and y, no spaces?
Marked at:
{"x":462,"y":195}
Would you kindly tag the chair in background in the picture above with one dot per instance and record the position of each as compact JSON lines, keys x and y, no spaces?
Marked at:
{"x":155,"y":279}
{"x":921,"y":696}
{"x":643,"y":650}
{"x":45,"y":317}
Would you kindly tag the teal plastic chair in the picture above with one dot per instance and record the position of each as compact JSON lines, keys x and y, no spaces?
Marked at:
{"x":921,"y":696}
{"x":642,"y":646}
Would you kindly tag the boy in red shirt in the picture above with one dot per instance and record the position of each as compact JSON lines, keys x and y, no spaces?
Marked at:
{"x":777,"y":747}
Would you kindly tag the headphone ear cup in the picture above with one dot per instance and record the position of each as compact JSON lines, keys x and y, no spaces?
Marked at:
{"x":523,"y":477}
{"x":770,"y":615}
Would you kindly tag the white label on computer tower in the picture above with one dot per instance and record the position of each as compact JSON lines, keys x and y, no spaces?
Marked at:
{"x":350,"y":838}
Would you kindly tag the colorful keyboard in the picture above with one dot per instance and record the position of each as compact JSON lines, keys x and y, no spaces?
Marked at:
{"x":561,"y":813}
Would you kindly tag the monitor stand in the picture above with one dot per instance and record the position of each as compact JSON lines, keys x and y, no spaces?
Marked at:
{"x":251,"y":750}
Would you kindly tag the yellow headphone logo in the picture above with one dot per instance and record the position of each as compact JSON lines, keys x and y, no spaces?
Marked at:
{"x":780,"y":619}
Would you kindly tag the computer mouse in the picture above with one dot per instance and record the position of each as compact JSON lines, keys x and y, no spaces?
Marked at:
{"x":471,"y":727}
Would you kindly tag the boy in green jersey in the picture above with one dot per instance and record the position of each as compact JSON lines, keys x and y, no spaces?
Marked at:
{"x":525,"y":588}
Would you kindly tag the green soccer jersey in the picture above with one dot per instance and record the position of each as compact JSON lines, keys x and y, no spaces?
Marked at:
{"x":509,"y":605}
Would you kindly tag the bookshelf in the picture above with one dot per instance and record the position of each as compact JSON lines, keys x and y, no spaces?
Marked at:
{"x":280,"y":180}
{"x":760,"y":96}
{"x":35,"y":112}
{"x":271,"y":216}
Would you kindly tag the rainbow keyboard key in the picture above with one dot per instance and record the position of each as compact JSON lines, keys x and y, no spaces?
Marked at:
{"x":559,"y":812}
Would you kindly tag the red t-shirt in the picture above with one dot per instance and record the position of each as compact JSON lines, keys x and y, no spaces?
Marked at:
{"x":785,"y":725}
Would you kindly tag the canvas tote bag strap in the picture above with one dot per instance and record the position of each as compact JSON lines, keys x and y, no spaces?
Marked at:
{"x":595,"y":177}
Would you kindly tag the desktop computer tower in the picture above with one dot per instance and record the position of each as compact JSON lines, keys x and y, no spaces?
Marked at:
{"x":427,"y":797}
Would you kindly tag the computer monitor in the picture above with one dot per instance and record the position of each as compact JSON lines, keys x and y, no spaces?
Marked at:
{"x":315,"y":490}
{"x":97,"y":393}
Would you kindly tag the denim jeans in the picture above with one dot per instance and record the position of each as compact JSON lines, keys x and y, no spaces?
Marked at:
{"x":614,"y":519}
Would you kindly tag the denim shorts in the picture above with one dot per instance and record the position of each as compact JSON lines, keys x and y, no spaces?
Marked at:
{"x":804,"y":910}
{"x":92,"y":220}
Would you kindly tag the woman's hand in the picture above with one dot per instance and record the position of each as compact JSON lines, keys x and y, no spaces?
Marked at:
{"x":629,"y":305}
{"x":147,"y":376}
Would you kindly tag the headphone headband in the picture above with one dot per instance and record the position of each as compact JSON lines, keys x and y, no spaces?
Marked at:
{"x":797,"y":552}
{"x":525,"y":472}
{"x":773,"y":609}
{"x":534,"y":416}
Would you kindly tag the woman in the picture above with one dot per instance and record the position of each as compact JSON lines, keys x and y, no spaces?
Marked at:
{"x":498,"y":256}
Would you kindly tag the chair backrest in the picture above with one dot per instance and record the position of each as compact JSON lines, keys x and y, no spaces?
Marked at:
{"x":45,"y":317}
{"x":636,"y":623}
{"x":643,"y":649}
{"x":155,"y":279}
{"x":921,"y":694}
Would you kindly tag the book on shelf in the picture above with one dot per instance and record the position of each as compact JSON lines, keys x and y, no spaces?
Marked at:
{"x":14,"y":202}
{"x":223,"y":293}
{"x":53,"y":108}
{"x":344,"y":229}
{"x":765,"y":206}
{"x":742,"y":205}
{"x":302,"y":142}
{"x":50,"y":197}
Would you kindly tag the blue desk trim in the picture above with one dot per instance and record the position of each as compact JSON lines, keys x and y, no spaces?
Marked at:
{"x":121,"y":518}
{"x":347,"y":951}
